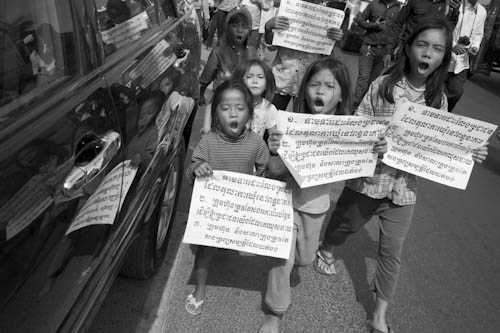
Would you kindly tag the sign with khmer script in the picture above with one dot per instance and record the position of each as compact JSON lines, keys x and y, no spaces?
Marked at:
{"x":308,"y":25}
{"x":241,"y":212}
{"x":434,"y":144}
{"x":320,"y":149}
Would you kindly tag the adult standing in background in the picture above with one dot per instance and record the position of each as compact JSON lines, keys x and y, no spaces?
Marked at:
{"x":467,"y":37}
{"x":374,"y":19}
{"x":411,"y":14}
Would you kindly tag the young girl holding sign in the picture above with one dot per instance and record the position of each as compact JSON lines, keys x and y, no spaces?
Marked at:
{"x":417,"y":77}
{"x":260,"y":80}
{"x":325,"y":90}
{"x":229,"y":146}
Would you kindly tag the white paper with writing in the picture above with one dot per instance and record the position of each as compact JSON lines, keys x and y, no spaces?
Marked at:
{"x":435,"y":144}
{"x":106,"y":201}
{"x":153,"y":64}
{"x":308,"y":25}
{"x":129,"y":29}
{"x":321,"y":149}
{"x":241,"y":212}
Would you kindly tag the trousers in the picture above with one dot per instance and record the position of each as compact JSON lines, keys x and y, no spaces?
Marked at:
{"x":352,"y":212}
{"x":371,"y":64}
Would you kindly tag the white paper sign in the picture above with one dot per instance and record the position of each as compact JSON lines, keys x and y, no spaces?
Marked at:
{"x":321,"y":149}
{"x":153,"y":64}
{"x":106,"y":201}
{"x":435,"y":144}
{"x":308,"y":25}
{"x":241,"y":212}
{"x":129,"y":29}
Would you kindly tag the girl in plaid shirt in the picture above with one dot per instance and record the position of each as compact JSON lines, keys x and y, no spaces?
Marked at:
{"x":417,"y":77}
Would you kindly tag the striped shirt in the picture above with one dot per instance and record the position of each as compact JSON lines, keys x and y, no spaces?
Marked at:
{"x":398,"y":186}
{"x":236,"y":155}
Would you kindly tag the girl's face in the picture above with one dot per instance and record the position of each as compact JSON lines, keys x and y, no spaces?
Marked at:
{"x":148,"y":111}
{"x":239,"y":30}
{"x":255,"y":80}
{"x":323,"y":93}
{"x":425,"y":55}
{"x":232,"y":113}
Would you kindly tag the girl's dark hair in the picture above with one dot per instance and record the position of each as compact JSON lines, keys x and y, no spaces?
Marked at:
{"x":219,"y":92}
{"x":434,"y":84}
{"x":157,"y":95}
{"x":340,"y":73}
{"x":241,"y":71}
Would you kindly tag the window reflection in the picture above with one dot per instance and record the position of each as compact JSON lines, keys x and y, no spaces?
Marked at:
{"x":36,"y":47}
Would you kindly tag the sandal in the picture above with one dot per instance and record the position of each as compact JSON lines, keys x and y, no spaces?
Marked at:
{"x":372,"y":329}
{"x":323,"y":264}
{"x":192,"y":306}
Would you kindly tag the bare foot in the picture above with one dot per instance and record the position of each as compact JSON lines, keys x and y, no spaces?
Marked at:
{"x":376,"y":326}
{"x":271,"y":324}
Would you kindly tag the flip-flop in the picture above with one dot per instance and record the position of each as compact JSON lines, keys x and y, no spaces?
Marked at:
{"x":372,"y":329}
{"x":192,"y":306}
{"x":323,"y":264}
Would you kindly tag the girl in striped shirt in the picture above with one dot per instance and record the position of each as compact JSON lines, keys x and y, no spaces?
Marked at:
{"x":229,"y":146}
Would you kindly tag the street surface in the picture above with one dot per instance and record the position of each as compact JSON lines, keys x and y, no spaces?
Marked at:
{"x":449,"y":279}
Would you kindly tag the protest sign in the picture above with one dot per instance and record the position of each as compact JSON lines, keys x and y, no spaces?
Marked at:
{"x":106,"y":201}
{"x":153,"y":64}
{"x":434,"y":144}
{"x":129,"y":29}
{"x":308,"y":25}
{"x":320,"y":149}
{"x":241,"y":212}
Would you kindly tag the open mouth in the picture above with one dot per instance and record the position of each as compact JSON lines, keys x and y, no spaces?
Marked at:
{"x":318,"y":102}
{"x":233,"y":125}
{"x":423,"y":66}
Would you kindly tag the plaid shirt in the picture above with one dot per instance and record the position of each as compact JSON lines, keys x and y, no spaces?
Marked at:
{"x":387,"y":182}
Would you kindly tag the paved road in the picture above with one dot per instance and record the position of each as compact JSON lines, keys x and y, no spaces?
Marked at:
{"x":449,"y":280}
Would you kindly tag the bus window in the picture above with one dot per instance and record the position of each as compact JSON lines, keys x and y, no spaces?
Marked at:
{"x":36,"y":49}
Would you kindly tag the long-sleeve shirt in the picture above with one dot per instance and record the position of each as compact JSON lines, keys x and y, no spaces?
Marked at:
{"x":237,"y":155}
{"x":411,"y":14}
{"x":376,"y":33}
{"x":388,"y":182}
{"x":471,"y":24}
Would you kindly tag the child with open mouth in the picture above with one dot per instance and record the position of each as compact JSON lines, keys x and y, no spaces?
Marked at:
{"x":228,"y":146}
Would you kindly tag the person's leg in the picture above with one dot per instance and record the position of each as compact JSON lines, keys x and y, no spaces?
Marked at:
{"x":277,"y":298}
{"x":202,"y":261}
{"x":352,"y":212}
{"x":212,"y":29}
{"x":378,"y":64}
{"x":308,"y":238}
{"x":394,"y":225}
{"x":455,"y":88}
{"x":221,"y":25}
{"x":365,"y":68}
{"x":281,"y":101}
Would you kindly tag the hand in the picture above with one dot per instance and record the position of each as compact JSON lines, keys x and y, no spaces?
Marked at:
{"x":473,"y":50}
{"x":279,"y":23}
{"x":387,"y":60}
{"x":459,"y":49}
{"x":334,"y":34}
{"x":274,"y":141}
{"x":206,"y":23}
{"x":479,"y":154}
{"x":380,"y":146}
{"x":201,"y":100}
{"x":203,"y":170}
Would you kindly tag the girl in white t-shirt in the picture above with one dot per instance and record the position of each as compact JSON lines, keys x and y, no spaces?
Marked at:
{"x":259,"y":78}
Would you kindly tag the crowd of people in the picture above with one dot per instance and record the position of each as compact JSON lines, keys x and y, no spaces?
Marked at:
{"x":240,"y":134}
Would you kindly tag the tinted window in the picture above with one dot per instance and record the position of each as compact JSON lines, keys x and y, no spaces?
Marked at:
{"x":37,"y":49}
